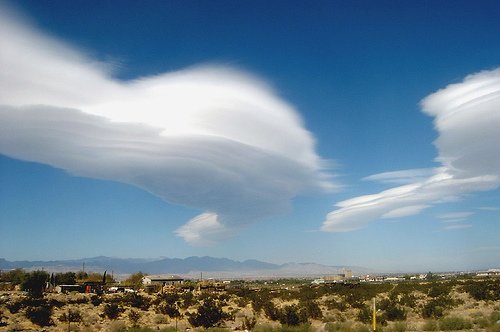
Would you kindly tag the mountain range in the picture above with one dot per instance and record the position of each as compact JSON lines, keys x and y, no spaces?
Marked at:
{"x":190,"y":267}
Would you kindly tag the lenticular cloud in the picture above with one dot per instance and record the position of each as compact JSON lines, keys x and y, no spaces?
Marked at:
{"x":210,"y":137}
{"x":467,"y":119}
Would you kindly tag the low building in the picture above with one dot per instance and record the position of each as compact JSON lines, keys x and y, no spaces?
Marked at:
{"x":162,"y":280}
{"x":489,"y":273}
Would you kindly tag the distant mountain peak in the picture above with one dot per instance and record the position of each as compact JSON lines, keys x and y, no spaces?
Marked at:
{"x":190,"y":266}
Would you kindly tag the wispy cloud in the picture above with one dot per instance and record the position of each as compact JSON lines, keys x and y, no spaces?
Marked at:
{"x":466,"y":118}
{"x":213,"y":138}
{"x":402,"y":177}
{"x":457,"y":226}
{"x":454,"y":217}
{"x":489,"y":208}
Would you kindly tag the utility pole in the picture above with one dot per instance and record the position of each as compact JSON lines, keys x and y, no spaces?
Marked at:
{"x":374,"y":318}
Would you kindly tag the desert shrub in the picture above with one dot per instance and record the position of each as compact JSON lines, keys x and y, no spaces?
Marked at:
{"x":494,"y":328}
{"x":209,"y":314}
{"x":270,"y":311}
{"x":14,"y":277}
{"x":2,"y":323}
{"x":398,"y":327}
{"x":395,"y":312}
{"x":117,"y":326}
{"x":136,"y":301}
{"x":481,"y":322}
{"x":96,"y":300}
{"x":79,"y":300}
{"x":259,"y":299}
{"x":34,"y":283}
{"x":495,"y":316}
{"x":488,"y":290}
{"x":454,"y":323}
{"x":73,"y":315}
{"x":304,"y":327}
{"x":439,"y":289}
{"x":187,"y":300}
{"x":134,"y":280}
{"x":311,"y":309}
{"x":249,"y":323}
{"x":160,"y":319}
{"x":241,"y":302}
{"x":55,"y":303}
{"x":68,"y":278}
{"x":285,"y":328}
{"x":291,"y":316}
{"x":134,"y":317}
{"x":435,"y":307}
{"x":430,"y":325}
{"x":364,"y":315}
{"x":167,"y":298}
{"x":112,"y":310}
{"x":339,"y":305}
{"x":338,"y":327}
{"x":360,"y":328}
{"x":14,"y":306}
{"x":168,"y":309}
{"x":432,"y":310}
{"x":40,"y":315}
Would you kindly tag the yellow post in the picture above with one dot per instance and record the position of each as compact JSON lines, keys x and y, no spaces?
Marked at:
{"x":374,"y":320}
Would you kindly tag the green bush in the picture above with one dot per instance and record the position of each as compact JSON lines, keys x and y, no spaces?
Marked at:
{"x":34,"y":283}
{"x":134,"y":317}
{"x":311,"y":309}
{"x":453,"y":323}
{"x":430,"y":325}
{"x":209,"y":314}
{"x":291,"y":316}
{"x":249,"y":323}
{"x":432,"y":309}
{"x":488,"y":290}
{"x":365,"y":315}
{"x":72,"y":315}
{"x":14,"y":306}
{"x":40,"y":315}
{"x":2,"y":323}
{"x":112,"y":310}
{"x":96,"y":300}
{"x":338,"y":327}
{"x":393,"y":313}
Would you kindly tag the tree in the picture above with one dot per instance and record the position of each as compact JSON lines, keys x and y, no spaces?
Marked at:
{"x":68,"y":278}
{"x":34,"y":283}
{"x":15,"y":277}
{"x":134,"y":280}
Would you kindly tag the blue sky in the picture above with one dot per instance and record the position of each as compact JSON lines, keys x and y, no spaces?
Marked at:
{"x":226,"y":114}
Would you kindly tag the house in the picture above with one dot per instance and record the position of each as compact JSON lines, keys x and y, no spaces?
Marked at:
{"x":162,"y":280}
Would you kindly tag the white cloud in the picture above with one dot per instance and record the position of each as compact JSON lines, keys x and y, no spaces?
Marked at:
{"x":402,"y":177}
{"x":405,"y":211}
{"x":213,"y":138}
{"x":467,"y":118}
{"x":455,"y":215}
{"x":457,"y":226}
{"x":489,"y":208}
